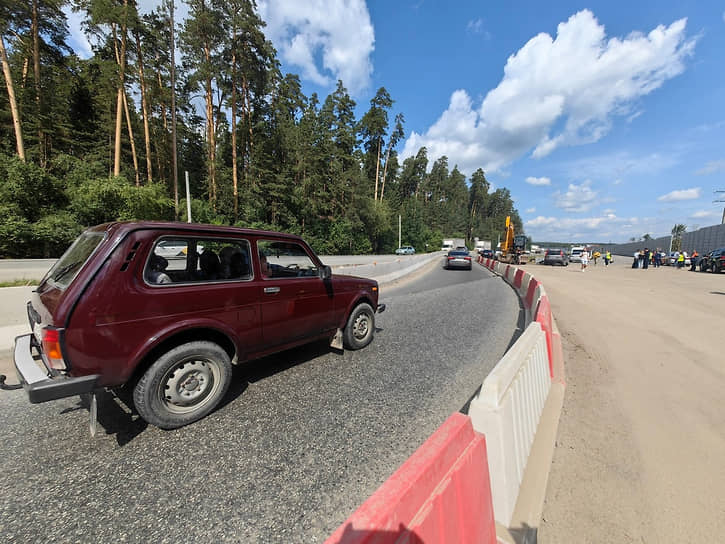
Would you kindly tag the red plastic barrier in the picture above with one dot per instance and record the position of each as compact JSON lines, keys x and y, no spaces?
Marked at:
{"x":530,"y":292}
{"x":441,"y":494}
{"x":543,"y":316}
{"x":517,"y":278}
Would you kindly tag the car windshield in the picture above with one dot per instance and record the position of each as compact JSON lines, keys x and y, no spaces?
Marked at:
{"x":64,"y":271}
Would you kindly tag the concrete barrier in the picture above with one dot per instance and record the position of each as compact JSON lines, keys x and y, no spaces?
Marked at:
{"x":440,"y":494}
{"x":444,"y":488}
{"x":507,"y":411}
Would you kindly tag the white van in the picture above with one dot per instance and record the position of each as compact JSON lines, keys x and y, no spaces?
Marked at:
{"x":576,"y":254}
{"x":447,"y":245}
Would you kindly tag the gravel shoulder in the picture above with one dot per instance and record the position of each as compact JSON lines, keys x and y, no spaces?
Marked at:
{"x":641,"y":438}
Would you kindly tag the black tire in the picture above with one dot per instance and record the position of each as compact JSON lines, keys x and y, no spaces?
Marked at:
{"x":183,"y":385}
{"x":714,"y":268}
{"x":360,"y":327}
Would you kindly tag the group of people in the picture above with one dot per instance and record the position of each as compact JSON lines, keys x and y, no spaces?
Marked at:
{"x":645,"y":257}
{"x":596,"y":255}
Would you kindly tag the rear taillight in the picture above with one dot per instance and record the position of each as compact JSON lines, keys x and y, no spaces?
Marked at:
{"x":51,"y":348}
{"x":467,"y":258}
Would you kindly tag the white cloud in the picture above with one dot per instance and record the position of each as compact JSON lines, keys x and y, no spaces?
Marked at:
{"x":704,"y":213}
{"x":475,"y":25}
{"x":579,"y":198}
{"x":538,"y":181}
{"x":587,"y":229}
{"x":531,"y":210}
{"x":711,"y":167}
{"x":77,"y":39}
{"x":556,"y":91}
{"x":326,"y":39}
{"x":684,"y":194}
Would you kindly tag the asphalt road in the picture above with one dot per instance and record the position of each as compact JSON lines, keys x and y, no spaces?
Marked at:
{"x":302,"y":438}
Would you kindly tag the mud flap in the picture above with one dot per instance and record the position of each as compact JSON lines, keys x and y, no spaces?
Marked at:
{"x":336,"y":341}
{"x":90,"y":398}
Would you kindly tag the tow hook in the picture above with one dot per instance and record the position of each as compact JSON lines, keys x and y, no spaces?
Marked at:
{"x":7,"y":387}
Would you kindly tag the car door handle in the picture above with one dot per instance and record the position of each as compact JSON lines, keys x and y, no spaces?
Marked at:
{"x":271,"y":290}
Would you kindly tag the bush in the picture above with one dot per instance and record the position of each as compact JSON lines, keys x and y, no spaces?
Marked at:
{"x":52,"y":235}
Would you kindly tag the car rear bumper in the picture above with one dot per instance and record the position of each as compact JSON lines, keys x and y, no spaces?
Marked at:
{"x":459,"y":264}
{"x":37,"y":382}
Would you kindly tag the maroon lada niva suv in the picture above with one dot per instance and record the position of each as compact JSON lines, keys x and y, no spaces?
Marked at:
{"x":166,"y":309}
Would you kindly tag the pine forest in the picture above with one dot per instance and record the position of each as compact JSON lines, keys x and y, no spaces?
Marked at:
{"x":112,"y":137}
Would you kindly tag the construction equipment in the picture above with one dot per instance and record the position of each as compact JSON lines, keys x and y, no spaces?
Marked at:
{"x":513,"y":245}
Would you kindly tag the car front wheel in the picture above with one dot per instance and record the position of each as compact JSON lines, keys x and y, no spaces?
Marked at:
{"x":360,"y":327}
{"x":183,"y":385}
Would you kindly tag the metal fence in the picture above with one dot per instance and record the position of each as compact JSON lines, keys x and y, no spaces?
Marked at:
{"x":703,"y":240}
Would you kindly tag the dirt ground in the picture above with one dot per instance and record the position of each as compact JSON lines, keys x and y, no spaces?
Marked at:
{"x":640,"y":452}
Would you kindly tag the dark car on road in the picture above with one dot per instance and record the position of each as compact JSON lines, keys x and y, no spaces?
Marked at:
{"x":555,"y":255}
{"x":458,"y":258}
{"x":166,"y":309}
{"x":713,"y":261}
{"x":487,"y":253}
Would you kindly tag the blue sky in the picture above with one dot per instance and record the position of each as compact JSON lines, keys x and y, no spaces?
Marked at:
{"x":606,"y":120}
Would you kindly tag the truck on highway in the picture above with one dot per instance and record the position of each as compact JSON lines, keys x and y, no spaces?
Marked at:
{"x":453,"y":243}
{"x":482,"y":244}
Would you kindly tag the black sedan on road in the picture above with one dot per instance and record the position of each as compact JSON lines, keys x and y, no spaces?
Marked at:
{"x":555,"y":255}
{"x":458,"y":258}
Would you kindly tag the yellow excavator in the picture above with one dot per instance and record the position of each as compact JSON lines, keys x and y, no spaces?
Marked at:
{"x":513,"y":245}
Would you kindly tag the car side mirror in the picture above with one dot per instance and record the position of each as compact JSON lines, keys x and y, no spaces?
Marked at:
{"x":325,"y":272}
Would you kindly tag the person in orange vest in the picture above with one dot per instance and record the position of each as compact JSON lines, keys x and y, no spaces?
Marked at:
{"x":694,"y":258}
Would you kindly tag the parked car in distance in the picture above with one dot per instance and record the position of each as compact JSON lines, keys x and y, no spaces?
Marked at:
{"x":576,"y":254}
{"x":458,"y":258}
{"x":114,"y":312}
{"x":405,"y":250}
{"x":487,"y":253}
{"x":555,"y":255}
{"x":714,"y":261}
{"x":671,"y":259}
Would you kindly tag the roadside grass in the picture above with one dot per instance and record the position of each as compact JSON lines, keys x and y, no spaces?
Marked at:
{"x":18,"y":283}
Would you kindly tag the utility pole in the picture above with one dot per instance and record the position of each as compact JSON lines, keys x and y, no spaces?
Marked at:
{"x":722,"y":221}
{"x":399,"y":225}
{"x":175,"y":168}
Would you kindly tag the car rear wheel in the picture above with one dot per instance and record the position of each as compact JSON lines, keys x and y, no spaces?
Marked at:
{"x":360,"y":327}
{"x":183,"y":385}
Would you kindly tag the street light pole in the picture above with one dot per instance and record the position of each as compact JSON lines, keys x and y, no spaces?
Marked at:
{"x":399,"y":225}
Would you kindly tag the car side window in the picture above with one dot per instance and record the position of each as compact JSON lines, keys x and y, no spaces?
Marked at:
{"x":193,"y":260}
{"x":283,"y":259}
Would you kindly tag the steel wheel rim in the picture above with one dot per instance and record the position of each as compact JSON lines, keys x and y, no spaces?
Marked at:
{"x":361,"y":328}
{"x":189,"y":384}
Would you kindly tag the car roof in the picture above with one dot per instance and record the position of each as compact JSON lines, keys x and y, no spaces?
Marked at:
{"x":124,"y":227}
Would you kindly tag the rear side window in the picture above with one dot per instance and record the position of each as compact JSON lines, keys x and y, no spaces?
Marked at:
{"x":194,"y":260}
{"x":69,"y":265}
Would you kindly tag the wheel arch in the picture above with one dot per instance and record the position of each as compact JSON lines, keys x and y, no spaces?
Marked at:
{"x":177,"y":338}
{"x":362,"y":297}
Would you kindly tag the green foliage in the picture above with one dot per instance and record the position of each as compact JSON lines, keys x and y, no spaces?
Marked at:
{"x":32,"y":190}
{"x":304,"y":165}
{"x":15,"y":232}
{"x":52,"y":234}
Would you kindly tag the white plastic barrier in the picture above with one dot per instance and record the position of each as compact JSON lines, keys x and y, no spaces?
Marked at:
{"x":507,"y":410}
